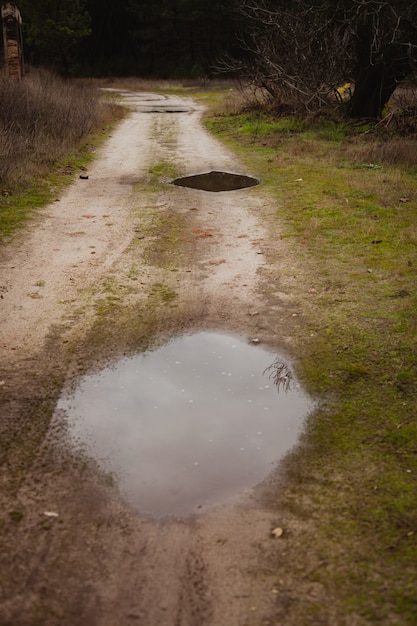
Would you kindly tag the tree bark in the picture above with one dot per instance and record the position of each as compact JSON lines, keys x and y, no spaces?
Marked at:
{"x":376,"y":84}
{"x":12,"y":38}
{"x":378,"y":75}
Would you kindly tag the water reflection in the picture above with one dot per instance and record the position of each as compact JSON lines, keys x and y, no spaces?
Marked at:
{"x":189,"y":425}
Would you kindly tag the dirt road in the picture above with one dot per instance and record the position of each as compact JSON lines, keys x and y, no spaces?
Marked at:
{"x":122,"y":260}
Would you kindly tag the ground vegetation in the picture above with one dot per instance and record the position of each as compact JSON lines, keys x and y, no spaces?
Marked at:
{"x":345,"y":216}
{"x":46,"y":126}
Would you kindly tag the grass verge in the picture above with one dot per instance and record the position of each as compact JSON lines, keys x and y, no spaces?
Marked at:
{"x":348,"y":228}
{"x":48,"y":131}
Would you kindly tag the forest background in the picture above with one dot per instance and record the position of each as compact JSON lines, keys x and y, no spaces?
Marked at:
{"x":162,"y":38}
{"x":302,"y":55}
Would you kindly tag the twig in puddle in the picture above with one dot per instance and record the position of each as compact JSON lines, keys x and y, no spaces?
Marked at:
{"x":280,"y":374}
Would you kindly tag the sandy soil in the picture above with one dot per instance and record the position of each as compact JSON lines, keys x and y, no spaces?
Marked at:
{"x":109,"y":240}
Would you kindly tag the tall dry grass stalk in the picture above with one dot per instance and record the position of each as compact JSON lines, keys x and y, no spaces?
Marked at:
{"x":401,"y":151}
{"x":42,"y":118}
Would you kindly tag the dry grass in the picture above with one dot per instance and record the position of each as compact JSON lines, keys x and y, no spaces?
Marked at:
{"x":135,"y":83}
{"x":42,"y":119}
{"x":391,"y":151}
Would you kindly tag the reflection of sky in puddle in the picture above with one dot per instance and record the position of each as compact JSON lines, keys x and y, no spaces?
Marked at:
{"x":189,"y":425}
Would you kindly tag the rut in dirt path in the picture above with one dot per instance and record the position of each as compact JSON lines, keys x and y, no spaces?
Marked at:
{"x":98,"y":562}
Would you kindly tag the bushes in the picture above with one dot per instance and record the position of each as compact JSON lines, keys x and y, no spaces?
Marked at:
{"x":42,"y":118}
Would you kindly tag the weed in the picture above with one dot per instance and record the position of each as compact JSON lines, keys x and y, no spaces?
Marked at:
{"x":163,"y":170}
{"x":162,"y":292}
{"x":16,"y":516}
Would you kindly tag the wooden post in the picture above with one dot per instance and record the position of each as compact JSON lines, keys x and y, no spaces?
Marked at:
{"x":13,"y":40}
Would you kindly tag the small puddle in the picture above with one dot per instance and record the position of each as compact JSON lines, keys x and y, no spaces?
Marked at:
{"x":190,"y":425}
{"x":216,"y":181}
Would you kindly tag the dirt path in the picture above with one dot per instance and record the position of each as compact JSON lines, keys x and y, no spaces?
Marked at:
{"x":118,"y":254}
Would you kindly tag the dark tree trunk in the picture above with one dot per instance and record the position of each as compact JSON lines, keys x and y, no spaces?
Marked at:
{"x":377,"y":80}
{"x":375,"y":86}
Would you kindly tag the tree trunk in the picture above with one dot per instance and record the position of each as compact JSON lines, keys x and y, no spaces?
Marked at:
{"x":379,"y":73}
{"x":375,"y":86}
{"x":12,"y":38}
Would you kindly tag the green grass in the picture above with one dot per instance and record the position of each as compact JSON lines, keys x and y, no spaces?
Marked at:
{"x":349,"y":230}
{"x":164,"y":171}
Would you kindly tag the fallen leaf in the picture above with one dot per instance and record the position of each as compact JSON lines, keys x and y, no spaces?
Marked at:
{"x":88,"y":215}
{"x":277,"y":532}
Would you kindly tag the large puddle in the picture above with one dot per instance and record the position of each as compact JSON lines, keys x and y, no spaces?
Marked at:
{"x":190,"y":425}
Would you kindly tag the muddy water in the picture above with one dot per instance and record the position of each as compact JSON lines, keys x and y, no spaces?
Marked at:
{"x":216,"y":181}
{"x":190,"y":425}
